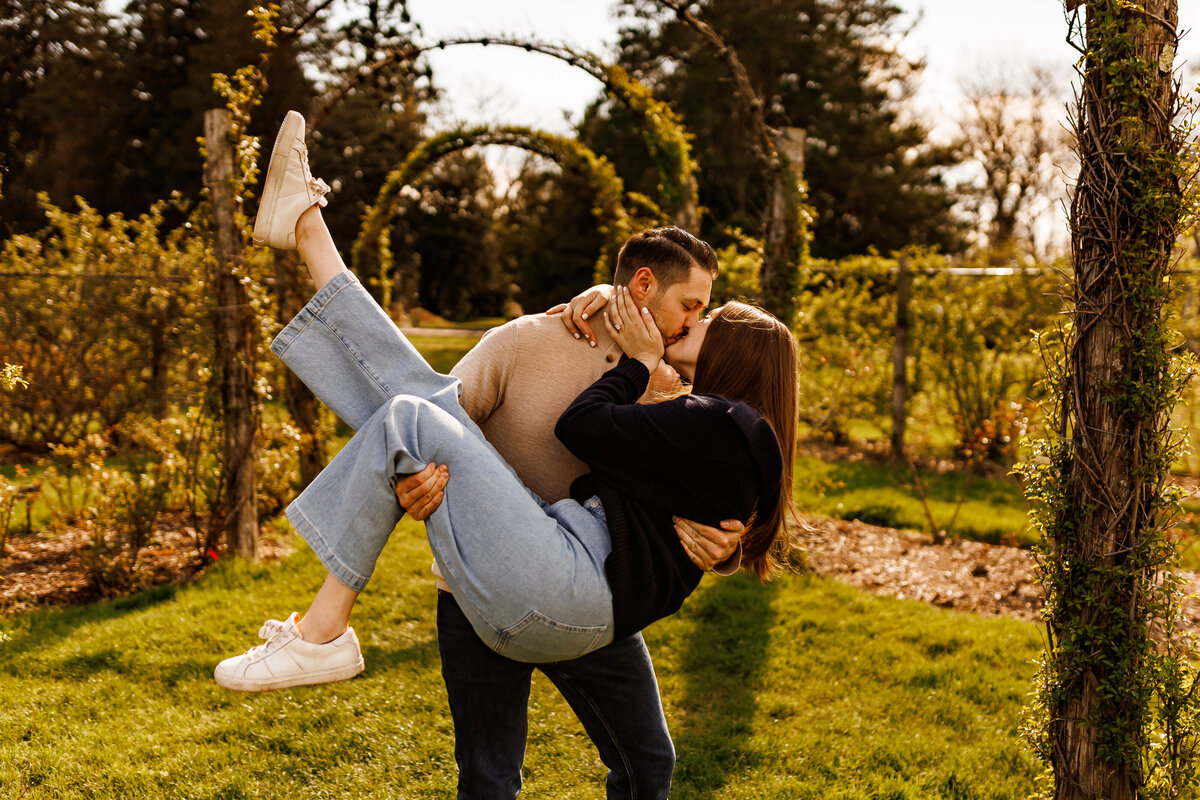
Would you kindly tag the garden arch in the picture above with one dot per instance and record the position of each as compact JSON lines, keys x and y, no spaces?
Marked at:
{"x":667,"y":141}
{"x":371,"y":253}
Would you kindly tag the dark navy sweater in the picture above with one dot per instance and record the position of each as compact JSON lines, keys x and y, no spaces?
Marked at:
{"x":702,"y":457}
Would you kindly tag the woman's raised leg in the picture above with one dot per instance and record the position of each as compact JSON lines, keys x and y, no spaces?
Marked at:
{"x":342,"y":344}
{"x":320,"y":647}
{"x":315,"y":243}
{"x":355,"y":359}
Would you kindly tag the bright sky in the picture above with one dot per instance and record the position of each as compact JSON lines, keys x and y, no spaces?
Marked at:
{"x":958,"y":39}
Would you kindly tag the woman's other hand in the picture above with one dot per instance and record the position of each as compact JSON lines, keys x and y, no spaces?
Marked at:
{"x":634,"y":330}
{"x":581,"y":308}
{"x":709,"y":547}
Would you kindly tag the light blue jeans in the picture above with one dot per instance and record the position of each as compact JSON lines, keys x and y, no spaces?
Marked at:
{"x":528,"y":575}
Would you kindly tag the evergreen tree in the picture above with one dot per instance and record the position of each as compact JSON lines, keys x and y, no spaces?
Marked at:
{"x":371,"y":129}
{"x":173,"y":49}
{"x":445,"y":245}
{"x":54,"y":59}
{"x":109,"y":107}
{"x":828,"y":66}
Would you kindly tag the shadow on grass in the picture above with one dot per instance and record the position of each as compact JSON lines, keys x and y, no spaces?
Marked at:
{"x":196,"y":667}
{"x":423,"y":654}
{"x":42,"y":628}
{"x":726,"y":656}
{"x":39,"y":631}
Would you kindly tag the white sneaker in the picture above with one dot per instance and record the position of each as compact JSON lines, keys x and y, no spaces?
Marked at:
{"x":289,"y":188}
{"x":287,"y":660}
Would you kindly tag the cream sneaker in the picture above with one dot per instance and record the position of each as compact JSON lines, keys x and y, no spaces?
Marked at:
{"x":289,"y":188}
{"x":287,"y":660}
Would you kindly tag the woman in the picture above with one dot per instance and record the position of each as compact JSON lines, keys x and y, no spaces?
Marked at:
{"x":589,"y":569}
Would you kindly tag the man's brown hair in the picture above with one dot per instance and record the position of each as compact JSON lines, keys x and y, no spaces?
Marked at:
{"x":749,"y":355}
{"x":671,"y":253}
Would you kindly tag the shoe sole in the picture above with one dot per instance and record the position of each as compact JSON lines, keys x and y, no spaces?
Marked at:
{"x":308,"y":679}
{"x":276,"y":172}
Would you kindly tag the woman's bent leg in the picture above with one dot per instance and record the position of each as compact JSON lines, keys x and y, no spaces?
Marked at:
{"x":529,"y":577}
{"x":354,"y":358}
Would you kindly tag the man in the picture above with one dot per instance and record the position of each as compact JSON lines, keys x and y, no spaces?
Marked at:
{"x":515,"y":384}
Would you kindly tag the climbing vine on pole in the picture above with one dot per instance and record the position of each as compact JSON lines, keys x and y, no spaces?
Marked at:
{"x":1117,"y":712}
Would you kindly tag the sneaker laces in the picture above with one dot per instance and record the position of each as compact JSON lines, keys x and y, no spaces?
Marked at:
{"x":270,"y":628}
{"x":270,"y":631}
{"x":320,"y":188}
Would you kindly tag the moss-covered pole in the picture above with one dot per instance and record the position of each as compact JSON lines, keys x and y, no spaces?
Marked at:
{"x":1110,"y":703}
{"x":234,"y":328}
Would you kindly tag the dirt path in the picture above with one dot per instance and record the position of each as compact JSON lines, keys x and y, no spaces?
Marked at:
{"x":58,"y":570}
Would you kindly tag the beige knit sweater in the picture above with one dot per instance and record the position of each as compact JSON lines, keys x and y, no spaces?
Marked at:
{"x":517,"y":382}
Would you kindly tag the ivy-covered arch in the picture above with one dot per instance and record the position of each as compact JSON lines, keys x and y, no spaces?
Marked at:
{"x":667,"y":141}
{"x":371,"y":253}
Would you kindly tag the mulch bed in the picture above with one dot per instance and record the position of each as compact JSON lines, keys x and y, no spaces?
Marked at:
{"x":51,"y":570}
{"x":992,"y":580}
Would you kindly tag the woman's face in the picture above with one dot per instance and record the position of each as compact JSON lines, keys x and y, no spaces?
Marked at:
{"x":683,"y":353}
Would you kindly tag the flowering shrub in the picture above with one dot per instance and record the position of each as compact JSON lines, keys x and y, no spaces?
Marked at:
{"x":105,"y":317}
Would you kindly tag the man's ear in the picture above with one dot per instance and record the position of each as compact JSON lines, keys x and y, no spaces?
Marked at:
{"x":642,"y":285}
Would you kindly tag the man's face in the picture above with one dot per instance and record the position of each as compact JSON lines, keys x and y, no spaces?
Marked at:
{"x":678,"y":307}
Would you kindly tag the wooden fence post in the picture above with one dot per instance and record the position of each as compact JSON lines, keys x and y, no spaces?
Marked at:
{"x":900,"y":358}
{"x":234,"y":323}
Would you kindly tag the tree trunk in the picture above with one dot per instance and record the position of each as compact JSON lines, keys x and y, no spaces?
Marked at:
{"x":687,"y":216}
{"x":779,"y":249}
{"x":157,"y":323}
{"x":1115,"y":407}
{"x":292,"y":289}
{"x":781,"y":246}
{"x":234,"y":342}
{"x":900,"y":358}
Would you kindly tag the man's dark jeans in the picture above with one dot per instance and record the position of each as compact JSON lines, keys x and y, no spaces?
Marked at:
{"x":612,"y":690}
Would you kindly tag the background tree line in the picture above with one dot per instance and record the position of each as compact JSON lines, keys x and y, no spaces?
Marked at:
{"x":107,"y":106}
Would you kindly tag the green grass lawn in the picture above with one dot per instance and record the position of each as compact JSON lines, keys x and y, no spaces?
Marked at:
{"x":993,"y":510}
{"x":799,"y":689}
{"x":443,"y":352}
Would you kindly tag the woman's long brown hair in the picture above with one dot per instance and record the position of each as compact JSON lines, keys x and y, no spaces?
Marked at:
{"x":749,"y":355}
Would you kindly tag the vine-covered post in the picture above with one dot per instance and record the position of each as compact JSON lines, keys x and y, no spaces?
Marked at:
{"x":1115,"y":699}
{"x":784,"y":235}
{"x":687,"y":216}
{"x":234,"y":340}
